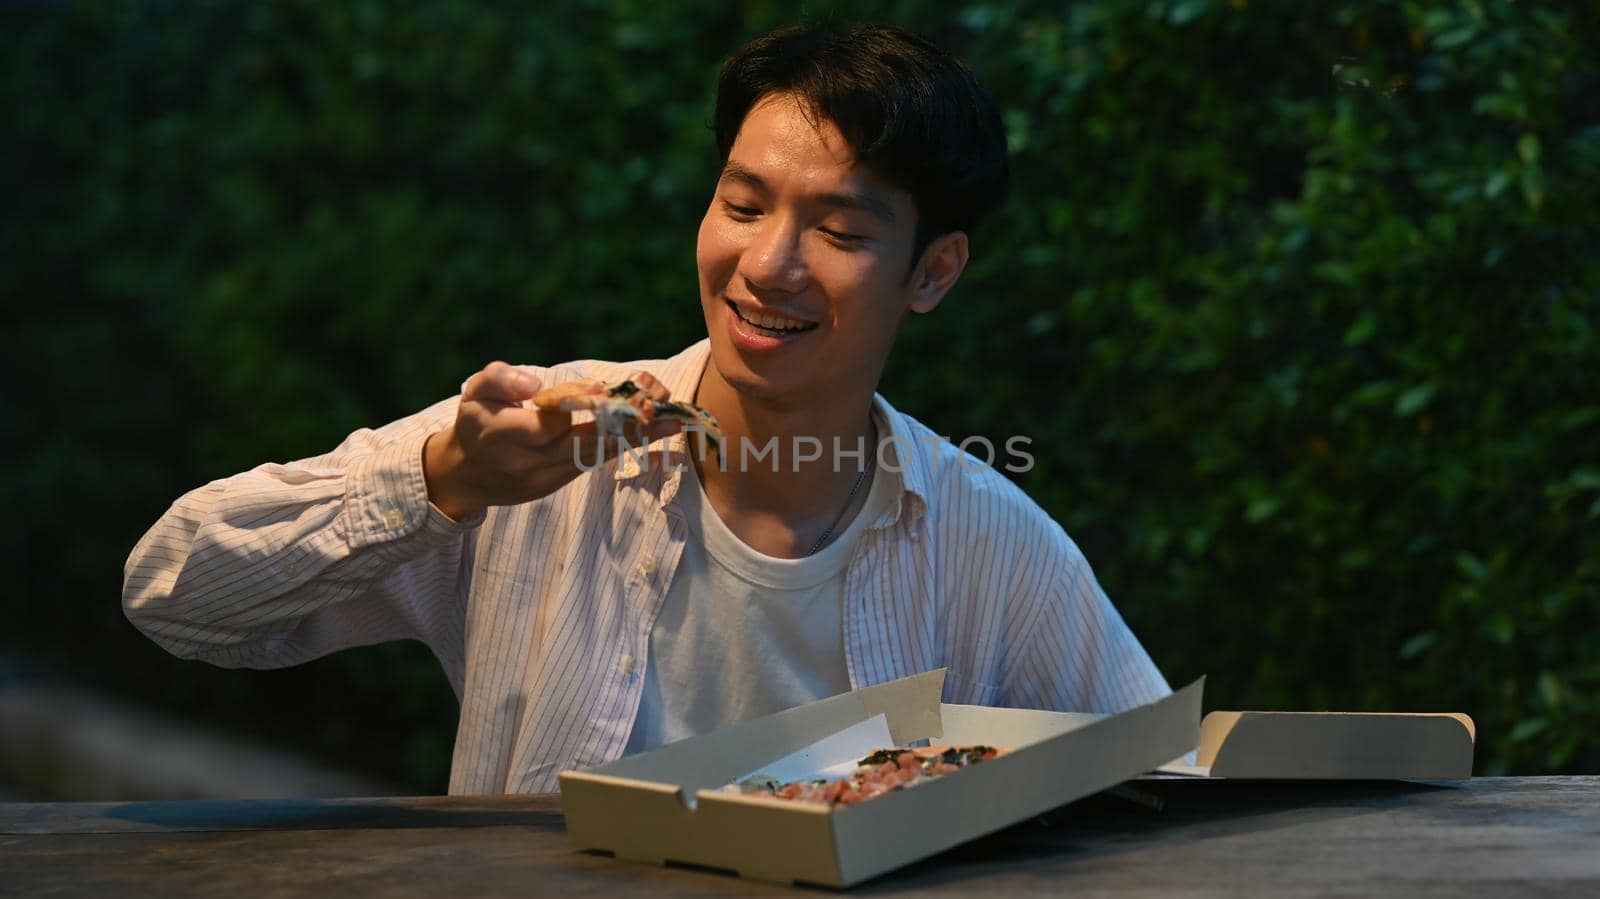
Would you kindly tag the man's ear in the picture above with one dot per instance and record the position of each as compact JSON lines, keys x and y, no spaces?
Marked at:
{"x":943,"y":261}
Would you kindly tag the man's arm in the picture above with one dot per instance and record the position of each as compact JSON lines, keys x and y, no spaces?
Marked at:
{"x":285,"y":563}
{"x":1079,"y":654}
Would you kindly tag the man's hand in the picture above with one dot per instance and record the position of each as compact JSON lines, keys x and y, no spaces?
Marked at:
{"x":500,"y":453}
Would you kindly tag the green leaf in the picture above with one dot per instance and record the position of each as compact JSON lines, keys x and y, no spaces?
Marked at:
{"x":1528,"y":148}
{"x":1437,"y":20}
{"x":1587,"y":478}
{"x":1413,"y":400}
{"x":1455,"y":37}
{"x":1471,"y":566}
{"x":1417,"y":645}
{"x":1370,"y":394}
{"x":1186,"y":11}
{"x":1527,"y":729}
{"x":1341,"y":273}
{"x":1262,"y":508}
{"x":1549,"y":690}
{"x":1361,"y":330}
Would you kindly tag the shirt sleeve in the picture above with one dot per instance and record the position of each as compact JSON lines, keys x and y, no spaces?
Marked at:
{"x":1079,"y":654}
{"x":288,"y":562}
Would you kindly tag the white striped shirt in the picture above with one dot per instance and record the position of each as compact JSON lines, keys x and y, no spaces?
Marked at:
{"x":541,"y":613}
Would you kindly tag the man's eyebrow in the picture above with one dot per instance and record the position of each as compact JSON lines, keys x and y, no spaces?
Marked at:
{"x":733,"y":171}
{"x":865,"y":201}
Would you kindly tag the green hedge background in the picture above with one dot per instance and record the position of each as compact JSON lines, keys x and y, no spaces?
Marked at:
{"x":1311,"y":290}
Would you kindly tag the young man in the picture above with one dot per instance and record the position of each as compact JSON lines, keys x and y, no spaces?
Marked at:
{"x":584,"y":614}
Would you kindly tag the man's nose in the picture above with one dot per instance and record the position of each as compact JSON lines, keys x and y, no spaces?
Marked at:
{"x":774,"y":260}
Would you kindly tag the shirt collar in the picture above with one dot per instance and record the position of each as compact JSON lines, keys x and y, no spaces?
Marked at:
{"x":905,"y":458}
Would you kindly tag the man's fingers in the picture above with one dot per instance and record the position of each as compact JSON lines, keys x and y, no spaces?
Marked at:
{"x":501,"y":392}
{"x":548,"y":425}
{"x":582,"y":446}
{"x":500,"y":383}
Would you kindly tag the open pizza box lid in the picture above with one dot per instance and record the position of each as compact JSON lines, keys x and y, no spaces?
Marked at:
{"x":666,"y":805}
{"x":1332,"y":746}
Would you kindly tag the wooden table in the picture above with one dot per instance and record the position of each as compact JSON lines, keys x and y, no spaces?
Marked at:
{"x":1489,"y":836}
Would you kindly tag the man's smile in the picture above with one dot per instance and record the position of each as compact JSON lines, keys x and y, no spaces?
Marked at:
{"x":770,"y":323}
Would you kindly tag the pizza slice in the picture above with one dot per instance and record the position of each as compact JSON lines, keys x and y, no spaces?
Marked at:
{"x":613,"y":405}
{"x":879,"y":773}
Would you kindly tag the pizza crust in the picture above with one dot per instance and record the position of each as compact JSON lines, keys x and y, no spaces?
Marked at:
{"x":573,"y":396}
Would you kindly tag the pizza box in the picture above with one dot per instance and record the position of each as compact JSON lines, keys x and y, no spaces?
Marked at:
{"x":666,"y":805}
{"x":1332,"y":746}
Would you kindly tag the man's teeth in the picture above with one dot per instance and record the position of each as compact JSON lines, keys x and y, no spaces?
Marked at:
{"x":771,"y":322}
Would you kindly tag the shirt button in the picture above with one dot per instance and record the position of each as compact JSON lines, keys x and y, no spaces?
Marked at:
{"x":627,"y":664}
{"x":647,"y":567}
{"x":394,"y":517}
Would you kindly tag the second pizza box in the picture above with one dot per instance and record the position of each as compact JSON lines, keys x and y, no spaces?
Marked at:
{"x":1333,"y":746}
{"x":667,"y":805}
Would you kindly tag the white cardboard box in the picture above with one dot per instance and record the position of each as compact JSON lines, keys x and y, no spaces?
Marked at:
{"x":1333,"y":746}
{"x":666,"y":804}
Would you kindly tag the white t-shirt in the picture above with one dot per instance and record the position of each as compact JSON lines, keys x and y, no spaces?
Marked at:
{"x":742,"y":634}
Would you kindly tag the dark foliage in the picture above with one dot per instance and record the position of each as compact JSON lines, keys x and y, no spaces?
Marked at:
{"x":1310,"y":292}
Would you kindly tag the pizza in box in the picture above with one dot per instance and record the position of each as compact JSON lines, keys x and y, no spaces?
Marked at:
{"x":881,"y":772}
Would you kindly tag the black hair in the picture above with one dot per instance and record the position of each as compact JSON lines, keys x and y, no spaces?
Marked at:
{"x":912,"y":114}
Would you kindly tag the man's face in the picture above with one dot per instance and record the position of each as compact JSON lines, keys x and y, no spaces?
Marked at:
{"x":803,"y":259}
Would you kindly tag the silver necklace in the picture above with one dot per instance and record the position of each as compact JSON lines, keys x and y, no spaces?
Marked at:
{"x":852,"y":495}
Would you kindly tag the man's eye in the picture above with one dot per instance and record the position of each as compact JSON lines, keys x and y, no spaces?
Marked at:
{"x":740,"y":211}
{"x":843,"y":237}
